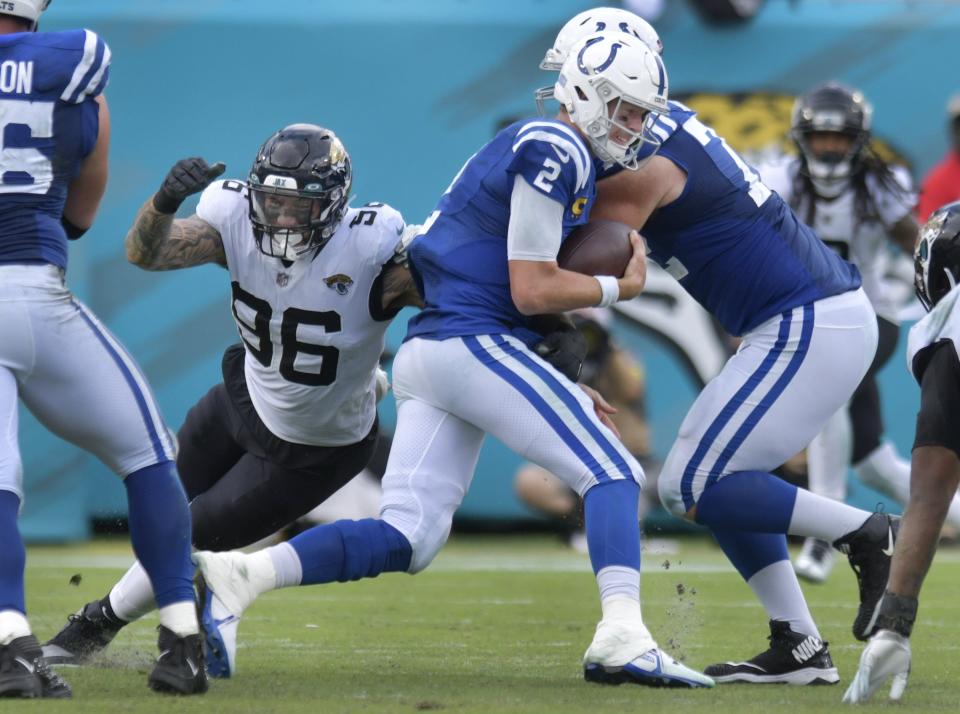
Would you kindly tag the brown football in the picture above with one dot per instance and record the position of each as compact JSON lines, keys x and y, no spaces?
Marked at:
{"x":599,"y":247}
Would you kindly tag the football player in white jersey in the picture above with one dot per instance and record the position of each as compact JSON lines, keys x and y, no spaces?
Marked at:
{"x":59,"y":360}
{"x":858,"y":205}
{"x":315,"y":284}
{"x":932,"y":358}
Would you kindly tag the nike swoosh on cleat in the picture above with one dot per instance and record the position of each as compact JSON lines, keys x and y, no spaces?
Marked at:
{"x":29,"y":666}
{"x":193,"y":668}
{"x":888,"y":551}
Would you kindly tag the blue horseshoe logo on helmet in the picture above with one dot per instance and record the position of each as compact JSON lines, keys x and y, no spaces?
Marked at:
{"x":606,"y":63}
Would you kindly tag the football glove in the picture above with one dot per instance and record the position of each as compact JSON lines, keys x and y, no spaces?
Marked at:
{"x":886,"y":654}
{"x":188,"y":176}
{"x":565,"y":349}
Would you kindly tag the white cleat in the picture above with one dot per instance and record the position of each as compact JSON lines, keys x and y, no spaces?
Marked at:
{"x":815,"y":561}
{"x":227,"y":584}
{"x":626,"y":652}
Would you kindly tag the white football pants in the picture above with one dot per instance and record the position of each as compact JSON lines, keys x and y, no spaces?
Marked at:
{"x":451,"y":393}
{"x":790,"y":375}
{"x":73,"y":375}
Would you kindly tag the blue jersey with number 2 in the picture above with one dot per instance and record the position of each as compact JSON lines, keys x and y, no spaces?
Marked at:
{"x":460,"y":258}
{"x":733,"y":244}
{"x":48,"y":125}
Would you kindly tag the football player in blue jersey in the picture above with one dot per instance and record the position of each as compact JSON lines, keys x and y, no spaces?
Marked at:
{"x":935,"y":465}
{"x":59,"y":359}
{"x":739,"y":250}
{"x":486,"y":263}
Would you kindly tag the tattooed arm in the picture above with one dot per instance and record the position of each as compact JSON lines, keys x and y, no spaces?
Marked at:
{"x":393,"y":290}
{"x":158,"y":241}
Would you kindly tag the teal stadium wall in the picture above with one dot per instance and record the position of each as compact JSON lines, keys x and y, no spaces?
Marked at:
{"x":413,"y":87}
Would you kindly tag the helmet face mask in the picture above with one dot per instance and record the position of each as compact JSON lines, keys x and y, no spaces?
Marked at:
{"x":936,"y":259}
{"x":831,"y":108}
{"x":614,"y":87}
{"x":298,"y":189}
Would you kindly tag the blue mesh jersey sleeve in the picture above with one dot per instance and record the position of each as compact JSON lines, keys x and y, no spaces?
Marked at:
{"x":552,"y":158}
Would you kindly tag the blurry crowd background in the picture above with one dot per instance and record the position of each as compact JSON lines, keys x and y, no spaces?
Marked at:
{"x":412,"y":87}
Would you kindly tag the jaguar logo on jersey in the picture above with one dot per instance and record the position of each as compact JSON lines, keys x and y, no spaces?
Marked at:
{"x":578,"y":206}
{"x":339,"y":282}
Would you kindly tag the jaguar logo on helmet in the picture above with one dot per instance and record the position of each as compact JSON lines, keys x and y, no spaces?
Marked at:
{"x":936,"y":259}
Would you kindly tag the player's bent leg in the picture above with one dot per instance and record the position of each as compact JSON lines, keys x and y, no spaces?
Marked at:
{"x":230,"y":582}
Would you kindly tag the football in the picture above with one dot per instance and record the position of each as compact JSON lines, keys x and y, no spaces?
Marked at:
{"x":599,"y":247}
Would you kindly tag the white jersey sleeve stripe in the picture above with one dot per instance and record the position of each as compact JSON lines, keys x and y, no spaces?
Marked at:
{"x":562,"y":143}
{"x":562,"y":129}
{"x":86,"y":62}
{"x":93,"y":86}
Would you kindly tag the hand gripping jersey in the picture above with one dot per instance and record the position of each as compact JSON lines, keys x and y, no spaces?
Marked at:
{"x":733,"y":244}
{"x":48,"y":125}
{"x":313,"y":333}
{"x":460,"y":258}
{"x":941,"y":324}
{"x":835,"y":222}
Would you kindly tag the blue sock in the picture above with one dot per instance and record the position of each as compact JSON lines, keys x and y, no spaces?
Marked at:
{"x":748,"y":501}
{"x":750,"y":552}
{"x":613,"y":526}
{"x":13,"y":556}
{"x":350,"y":550}
{"x":160,"y":531}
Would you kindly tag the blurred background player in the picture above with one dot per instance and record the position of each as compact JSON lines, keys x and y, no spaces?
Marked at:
{"x":932,"y":357}
{"x":620,"y":378}
{"x":941,"y":185}
{"x":72,"y":374}
{"x":707,"y":216}
{"x":314,"y":288}
{"x":486,"y":260}
{"x":860,"y":206}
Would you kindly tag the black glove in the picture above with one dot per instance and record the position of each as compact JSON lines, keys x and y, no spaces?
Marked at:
{"x":565,"y":349}
{"x":188,"y":176}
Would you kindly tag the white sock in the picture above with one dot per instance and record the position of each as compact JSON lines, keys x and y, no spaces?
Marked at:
{"x":819,"y":517}
{"x":132,"y":597}
{"x":180,"y":618}
{"x":619,"y":592}
{"x":884,"y":470}
{"x":777,"y":588}
{"x":13,"y":624}
{"x":286,"y":564}
{"x":828,"y":457}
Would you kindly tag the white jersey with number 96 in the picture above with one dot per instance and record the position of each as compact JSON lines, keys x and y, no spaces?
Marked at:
{"x":312,"y":334}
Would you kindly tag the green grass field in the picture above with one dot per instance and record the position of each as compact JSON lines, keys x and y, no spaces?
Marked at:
{"x":497,"y":624}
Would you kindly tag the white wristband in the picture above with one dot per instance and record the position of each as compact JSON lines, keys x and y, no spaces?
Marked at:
{"x":609,"y":290}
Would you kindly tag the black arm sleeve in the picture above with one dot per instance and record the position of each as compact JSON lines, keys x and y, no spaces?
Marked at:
{"x":73,"y":232}
{"x":938,"y":422}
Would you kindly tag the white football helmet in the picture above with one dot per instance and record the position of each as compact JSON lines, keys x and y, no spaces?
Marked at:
{"x":27,"y":9}
{"x":599,"y":19}
{"x":604,"y":77}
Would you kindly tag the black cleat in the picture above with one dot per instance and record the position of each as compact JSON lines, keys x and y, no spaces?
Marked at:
{"x":793,"y":658}
{"x":24,"y":674}
{"x":86,"y":633}
{"x":180,"y":667}
{"x":869,"y":550}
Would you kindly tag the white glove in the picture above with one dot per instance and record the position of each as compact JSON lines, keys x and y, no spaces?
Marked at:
{"x":887,"y":653}
{"x":383,"y":384}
